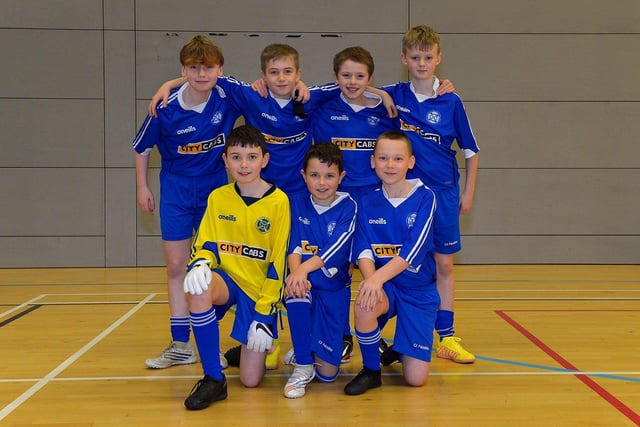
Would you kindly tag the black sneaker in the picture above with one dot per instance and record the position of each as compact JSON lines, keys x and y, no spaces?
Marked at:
{"x":389,"y":356}
{"x":233,"y":356}
{"x":382,"y":346}
{"x":205,"y":392}
{"x":347,"y":348}
{"x":365,"y":380}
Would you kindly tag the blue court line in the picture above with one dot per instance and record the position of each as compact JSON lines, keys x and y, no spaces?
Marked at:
{"x":556,"y":369}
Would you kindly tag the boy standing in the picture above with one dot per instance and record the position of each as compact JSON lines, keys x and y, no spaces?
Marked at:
{"x":393,"y":248}
{"x":318,"y":288}
{"x":238,"y":258}
{"x":190,"y":135}
{"x":353,"y":120}
{"x":433,"y":123}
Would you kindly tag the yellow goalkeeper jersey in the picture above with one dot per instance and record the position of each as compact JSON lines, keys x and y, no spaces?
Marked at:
{"x":247,"y":241}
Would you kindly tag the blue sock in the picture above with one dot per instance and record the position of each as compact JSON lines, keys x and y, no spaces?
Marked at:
{"x":180,"y":328}
{"x":299,"y":312}
{"x":444,"y":323}
{"x":369,"y":344}
{"x":207,"y":335}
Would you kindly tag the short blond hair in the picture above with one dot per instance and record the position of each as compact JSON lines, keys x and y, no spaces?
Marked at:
{"x":421,"y":37}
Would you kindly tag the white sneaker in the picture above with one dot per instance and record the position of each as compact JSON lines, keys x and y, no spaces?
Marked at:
{"x":223,"y":361}
{"x":289,"y":358}
{"x":178,"y":353}
{"x":296,"y":385}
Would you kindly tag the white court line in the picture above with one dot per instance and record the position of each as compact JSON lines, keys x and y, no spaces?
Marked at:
{"x":24,"y":304}
{"x":343,"y":374}
{"x":51,"y":375}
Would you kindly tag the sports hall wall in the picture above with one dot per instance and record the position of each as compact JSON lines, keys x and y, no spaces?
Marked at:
{"x":551,"y":89}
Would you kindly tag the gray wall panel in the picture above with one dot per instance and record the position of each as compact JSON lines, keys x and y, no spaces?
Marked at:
{"x":555,"y":202}
{"x":52,"y":202}
{"x":119,"y":15}
{"x":545,"y":68}
{"x":120,"y":217}
{"x":61,"y":64}
{"x":283,"y":16}
{"x":541,"y":16}
{"x":549,"y":250}
{"x":52,"y":132}
{"x":556,"y":134}
{"x":69,"y":14}
{"x":51,"y":251}
{"x":150,"y":252}
{"x":120,"y":118}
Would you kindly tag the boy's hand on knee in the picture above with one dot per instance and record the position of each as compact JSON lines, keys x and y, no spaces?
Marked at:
{"x":259,"y":337}
{"x":198,"y":278}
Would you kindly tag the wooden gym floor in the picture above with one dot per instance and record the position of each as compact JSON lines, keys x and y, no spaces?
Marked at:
{"x":555,"y":346}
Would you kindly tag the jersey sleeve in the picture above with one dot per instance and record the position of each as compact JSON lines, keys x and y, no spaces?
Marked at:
{"x":271,"y":292}
{"x":148,"y":135}
{"x":464,"y":135}
{"x":236,"y":91}
{"x":360,"y":240}
{"x":321,"y":94}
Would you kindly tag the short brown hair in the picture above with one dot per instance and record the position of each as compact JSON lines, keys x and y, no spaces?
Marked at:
{"x":246,"y":136}
{"x":356,"y":54}
{"x":277,"y":51}
{"x":201,"y":50}
{"x":395,"y":135}
{"x":421,"y":37}
{"x":325,"y":152}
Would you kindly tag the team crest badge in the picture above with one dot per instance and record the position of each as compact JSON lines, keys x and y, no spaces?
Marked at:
{"x":373,"y":121}
{"x":330,"y":228}
{"x":433,"y":117}
{"x":411,"y":219}
{"x":263,"y":225}
{"x":217,"y":118}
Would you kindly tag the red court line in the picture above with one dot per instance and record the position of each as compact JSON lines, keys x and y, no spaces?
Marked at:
{"x":608,"y":397}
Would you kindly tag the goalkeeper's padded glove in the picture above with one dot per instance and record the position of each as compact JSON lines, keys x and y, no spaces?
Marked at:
{"x":259,"y":337}
{"x":198,"y":278}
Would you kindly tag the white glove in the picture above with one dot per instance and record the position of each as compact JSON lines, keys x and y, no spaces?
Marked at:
{"x":259,"y":337}
{"x":198,"y":278}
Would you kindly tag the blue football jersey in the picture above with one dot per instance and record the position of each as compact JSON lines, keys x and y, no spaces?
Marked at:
{"x":385,"y":229}
{"x":433,"y":125}
{"x":327,"y":233}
